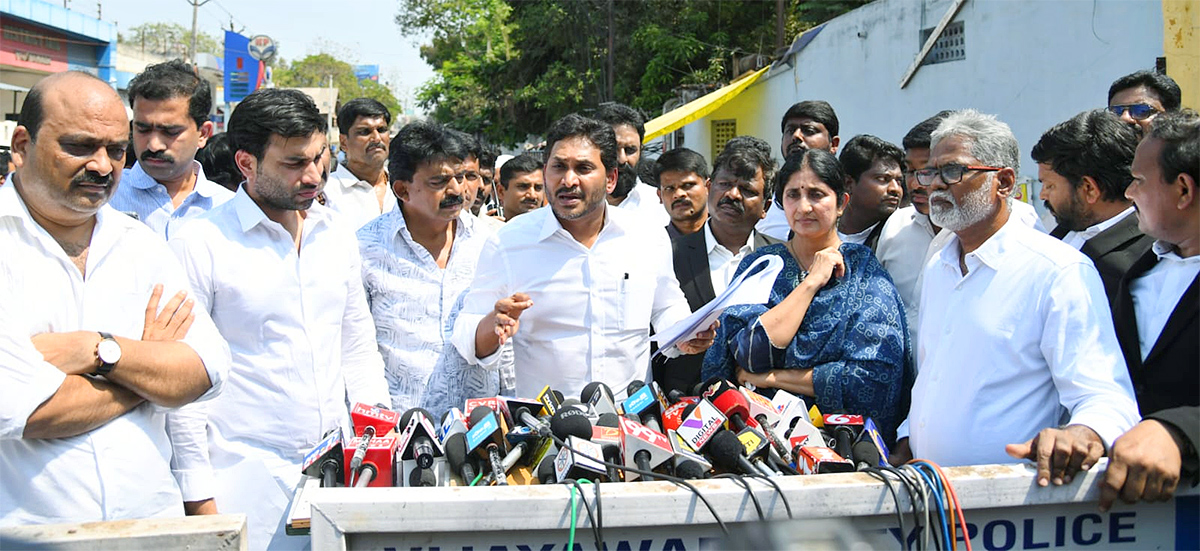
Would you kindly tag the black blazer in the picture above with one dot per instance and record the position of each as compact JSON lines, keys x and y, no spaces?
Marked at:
{"x":1170,"y":376}
{"x":690,"y":257}
{"x":1114,"y":251}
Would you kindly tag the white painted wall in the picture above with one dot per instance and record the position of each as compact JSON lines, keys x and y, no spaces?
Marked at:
{"x":1033,"y":63}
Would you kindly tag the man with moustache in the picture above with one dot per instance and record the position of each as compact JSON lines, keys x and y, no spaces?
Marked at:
{"x":521,"y":185}
{"x":743,"y":184}
{"x":359,"y":189}
{"x":810,"y":124}
{"x":1083,"y":164}
{"x":1140,"y":96}
{"x":170,"y":123}
{"x":1011,"y":318}
{"x":282,"y":279}
{"x":682,"y":176}
{"x":630,"y":192}
{"x":82,"y":431}
{"x":875,"y":186}
{"x":418,"y":258}
{"x":577,"y":286}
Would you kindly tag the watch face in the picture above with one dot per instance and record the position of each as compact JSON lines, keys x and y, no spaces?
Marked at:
{"x":109,"y":351}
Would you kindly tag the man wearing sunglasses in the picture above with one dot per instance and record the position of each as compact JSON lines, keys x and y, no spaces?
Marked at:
{"x":1138,"y":97}
{"x":1014,"y":337}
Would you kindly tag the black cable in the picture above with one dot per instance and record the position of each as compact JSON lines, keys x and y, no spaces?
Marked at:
{"x":588,"y":508}
{"x":914,"y":493}
{"x":599,"y":521}
{"x":779,"y":491}
{"x":749,"y":492}
{"x":876,"y":473}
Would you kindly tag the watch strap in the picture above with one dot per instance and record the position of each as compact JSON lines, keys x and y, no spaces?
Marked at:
{"x":105,"y":368}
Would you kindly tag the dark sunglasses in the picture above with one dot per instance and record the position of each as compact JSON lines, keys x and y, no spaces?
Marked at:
{"x":1137,"y":111}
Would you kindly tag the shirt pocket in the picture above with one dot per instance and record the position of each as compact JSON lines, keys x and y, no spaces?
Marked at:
{"x":635,"y":302}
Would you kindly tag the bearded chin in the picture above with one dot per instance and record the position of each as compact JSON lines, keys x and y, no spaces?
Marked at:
{"x":626,"y":179}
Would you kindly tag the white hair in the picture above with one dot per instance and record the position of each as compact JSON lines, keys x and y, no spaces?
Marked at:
{"x":991,"y":141}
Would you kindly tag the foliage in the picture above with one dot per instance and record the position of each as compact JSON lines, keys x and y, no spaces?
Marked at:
{"x":506,"y":69}
{"x":170,"y":39}
{"x":319,"y":70}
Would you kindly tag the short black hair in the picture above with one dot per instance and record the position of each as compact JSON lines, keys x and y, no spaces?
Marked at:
{"x":524,"y":163}
{"x":919,"y":136}
{"x":216,"y":158}
{"x":360,"y":107}
{"x":419,"y":143}
{"x":823,"y":163}
{"x":681,"y":159}
{"x":5,"y":158}
{"x":173,"y":79}
{"x":273,"y":111}
{"x":617,"y":114}
{"x":1093,"y":143}
{"x":600,"y":134}
{"x":487,"y":155}
{"x":32,"y":109}
{"x":1180,"y":132}
{"x":743,"y":156}
{"x":861,"y":151}
{"x":1162,"y":85}
{"x":816,"y":110}
{"x":473,"y":145}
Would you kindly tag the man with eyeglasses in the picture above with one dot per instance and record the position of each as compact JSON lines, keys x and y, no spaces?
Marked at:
{"x":1083,"y":164}
{"x":1138,"y":97}
{"x":418,"y":258}
{"x":359,"y":188}
{"x":1013,"y":335}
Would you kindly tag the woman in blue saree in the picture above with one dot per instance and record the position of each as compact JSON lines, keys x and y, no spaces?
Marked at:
{"x":833,"y":330}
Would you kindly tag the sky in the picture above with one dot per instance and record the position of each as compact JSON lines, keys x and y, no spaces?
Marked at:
{"x":361,"y":32}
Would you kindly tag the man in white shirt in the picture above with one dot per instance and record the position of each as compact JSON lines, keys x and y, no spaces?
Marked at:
{"x":739,"y":196}
{"x":1158,"y":318}
{"x":359,"y":189}
{"x":583,"y":281}
{"x":418,"y":259}
{"x":86,"y":388}
{"x":170,"y":123}
{"x":810,"y":124}
{"x":473,"y":179}
{"x":1014,"y":334}
{"x":631,"y":192}
{"x":876,"y":187}
{"x":1083,"y":164}
{"x":282,"y":279}
{"x":522,"y":187}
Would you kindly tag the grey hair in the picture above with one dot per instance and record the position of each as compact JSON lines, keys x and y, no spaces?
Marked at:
{"x":991,"y":141}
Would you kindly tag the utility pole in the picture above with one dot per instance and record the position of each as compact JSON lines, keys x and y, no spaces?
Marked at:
{"x":195,"y":13}
{"x":609,"y":81}
{"x":779,"y":18}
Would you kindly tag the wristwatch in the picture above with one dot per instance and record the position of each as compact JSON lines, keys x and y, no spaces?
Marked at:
{"x":109,"y":352}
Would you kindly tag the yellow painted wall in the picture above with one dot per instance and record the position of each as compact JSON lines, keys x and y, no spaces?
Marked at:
{"x":1181,"y":46}
{"x":745,"y":108}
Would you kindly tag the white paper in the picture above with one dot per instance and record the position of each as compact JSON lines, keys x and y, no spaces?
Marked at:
{"x":752,"y":286}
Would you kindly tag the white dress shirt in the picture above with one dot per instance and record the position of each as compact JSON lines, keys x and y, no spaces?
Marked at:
{"x":775,"y":224}
{"x":1078,"y":238}
{"x":355,"y":199}
{"x":1023,"y":341}
{"x":903,"y":250}
{"x":1156,"y":293}
{"x":144,"y":196}
{"x":592,"y":308}
{"x":723,"y":263}
{"x":411,"y":297}
{"x":643,"y":199}
{"x":121,"y":469}
{"x":857,"y":238}
{"x":302,"y":342}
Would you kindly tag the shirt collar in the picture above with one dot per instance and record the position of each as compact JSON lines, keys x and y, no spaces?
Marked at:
{"x":1168,"y":251}
{"x":1096,"y":229}
{"x":991,"y":253}
{"x":344,"y":177}
{"x":551,"y":225}
{"x":710,"y":240}
{"x":247,"y":211}
{"x":13,"y":206}
{"x":465,"y":228}
{"x":138,"y":178}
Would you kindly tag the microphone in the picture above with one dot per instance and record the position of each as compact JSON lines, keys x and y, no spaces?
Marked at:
{"x":577,"y":460}
{"x":642,"y":447}
{"x":684,"y":455}
{"x":845,"y":429}
{"x":545,"y":470}
{"x":325,"y":460}
{"x":456,"y":454}
{"x":383,"y":420}
{"x":672,"y":417}
{"x":730,"y":402}
{"x":764,"y":412}
{"x":485,"y":432}
{"x":865,"y":456}
{"x":700,"y":422}
{"x":418,"y":438}
{"x":600,"y":397}
{"x":522,"y":416}
{"x":821,"y":460}
{"x":452,"y":421}
{"x":725,"y":450}
{"x":375,"y":469}
{"x":360,"y":446}
{"x":607,"y":434}
{"x":754,"y":447}
{"x":550,"y":399}
{"x":644,"y":402}
{"x":570,"y":422}
{"x":871,"y":434}
{"x":509,"y":406}
{"x":422,"y":477}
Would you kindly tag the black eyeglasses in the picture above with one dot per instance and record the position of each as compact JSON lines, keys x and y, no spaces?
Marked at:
{"x":950,"y":174}
{"x":1137,"y":111}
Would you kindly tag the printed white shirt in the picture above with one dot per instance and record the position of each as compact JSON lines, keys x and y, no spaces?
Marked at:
{"x":302,"y":342}
{"x":592,"y":308}
{"x":144,"y":196}
{"x":643,"y":199}
{"x":411,"y":297}
{"x":1156,"y":292}
{"x":120,"y":470}
{"x":1078,"y":238}
{"x":1023,"y":341}
{"x":355,"y":199}
{"x":723,"y":263}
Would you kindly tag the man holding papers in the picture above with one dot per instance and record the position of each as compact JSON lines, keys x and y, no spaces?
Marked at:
{"x":576,"y":287}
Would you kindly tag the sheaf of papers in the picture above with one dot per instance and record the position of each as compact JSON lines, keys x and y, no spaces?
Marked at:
{"x":752,"y":286}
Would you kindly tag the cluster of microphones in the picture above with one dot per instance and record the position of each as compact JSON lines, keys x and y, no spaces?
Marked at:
{"x":722,"y":428}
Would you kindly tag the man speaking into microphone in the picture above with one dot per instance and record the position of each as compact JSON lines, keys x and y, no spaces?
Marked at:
{"x":587,"y":281}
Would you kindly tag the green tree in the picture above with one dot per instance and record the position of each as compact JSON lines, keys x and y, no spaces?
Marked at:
{"x":170,"y":39}
{"x":319,"y":70}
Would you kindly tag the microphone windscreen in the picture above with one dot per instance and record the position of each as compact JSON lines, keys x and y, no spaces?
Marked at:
{"x":690,"y":470}
{"x":590,"y":389}
{"x":608,"y":420}
{"x":478,"y":414}
{"x":404,"y":419}
{"x":456,"y":451}
{"x":866,"y":452}
{"x":634,"y":386}
{"x":421,"y":477}
{"x":545,"y":471}
{"x":724,"y":449}
{"x":571,"y":422}
{"x":558,"y":396}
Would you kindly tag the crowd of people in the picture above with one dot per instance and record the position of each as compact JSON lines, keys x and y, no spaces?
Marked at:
{"x":176,"y":334}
